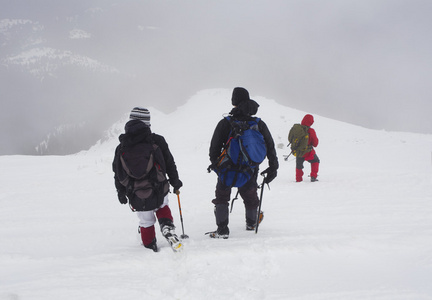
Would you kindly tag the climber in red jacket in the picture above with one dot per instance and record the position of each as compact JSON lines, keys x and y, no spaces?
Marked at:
{"x":311,"y":156}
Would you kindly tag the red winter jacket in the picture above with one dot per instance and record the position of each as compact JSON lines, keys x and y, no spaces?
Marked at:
{"x":308,"y":120}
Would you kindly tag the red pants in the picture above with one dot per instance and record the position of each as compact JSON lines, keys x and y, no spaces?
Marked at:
{"x":314,"y":161}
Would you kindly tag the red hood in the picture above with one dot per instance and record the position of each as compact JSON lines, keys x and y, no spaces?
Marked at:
{"x":308,"y":120}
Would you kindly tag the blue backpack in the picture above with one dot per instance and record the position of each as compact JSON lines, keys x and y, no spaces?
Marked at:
{"x":244,"y":150}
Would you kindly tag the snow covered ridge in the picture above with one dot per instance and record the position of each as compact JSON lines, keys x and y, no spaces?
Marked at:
{"x":24,"y":46}
{"x":200,"y":114}
{"x":42,"y":61}
{"x":7,"y":24}
{"x":77,"y":34}
{"x":60,"y":133}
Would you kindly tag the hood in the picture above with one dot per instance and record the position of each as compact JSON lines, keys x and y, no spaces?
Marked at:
{"x":308,"y":120}
{"x":246,"y":109}
{"x":239,"y":95}
{"x":136,"y":131}
{"x":137,"y":127}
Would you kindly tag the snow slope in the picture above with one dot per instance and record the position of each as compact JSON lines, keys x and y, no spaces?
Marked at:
{"x":364,"y":231}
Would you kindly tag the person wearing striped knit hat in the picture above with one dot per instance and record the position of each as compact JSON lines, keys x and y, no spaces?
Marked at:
{"x":142,"y":114}
{"x":137,"y":132}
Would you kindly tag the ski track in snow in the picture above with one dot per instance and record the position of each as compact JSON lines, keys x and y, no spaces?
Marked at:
{"x":362,"y":232}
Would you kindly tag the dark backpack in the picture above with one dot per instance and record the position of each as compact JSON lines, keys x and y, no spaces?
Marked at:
{"x":244,"y":150}
{"x":299,"y":139}
{"x":141,"y":169}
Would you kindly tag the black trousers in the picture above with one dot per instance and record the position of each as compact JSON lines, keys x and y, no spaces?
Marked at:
{"x":300,"y":161}
{"x":248,"y":192}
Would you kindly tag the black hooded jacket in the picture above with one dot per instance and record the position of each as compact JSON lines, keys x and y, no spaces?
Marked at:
{"x":137,"y":132}
{"x":242,"y":112}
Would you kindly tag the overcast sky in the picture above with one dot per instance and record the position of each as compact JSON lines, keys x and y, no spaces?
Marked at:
{"x":367,"y":62}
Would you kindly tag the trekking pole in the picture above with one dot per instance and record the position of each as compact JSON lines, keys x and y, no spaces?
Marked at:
{"x":260,"y":203}
{"x":183,"y":236}
{"x":232,"y":201}
{"x":286,"y":156}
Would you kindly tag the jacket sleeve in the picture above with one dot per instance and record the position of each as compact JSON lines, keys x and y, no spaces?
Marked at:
{"x":220,"y":136}
{"x":171,"y":168}
{"x":271,"y":150}
{"x":313,"y":139}
{"x":119,"y":187}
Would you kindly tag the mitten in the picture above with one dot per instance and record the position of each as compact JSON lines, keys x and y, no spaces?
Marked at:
{"x":122,"y":197}
{"x":177,"y":184}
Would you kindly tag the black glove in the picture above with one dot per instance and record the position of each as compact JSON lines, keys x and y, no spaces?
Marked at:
{"x":122,"y":197}
{"x":271,"y":174}
{"x":177,"y":184}
{"x":211,"y":167}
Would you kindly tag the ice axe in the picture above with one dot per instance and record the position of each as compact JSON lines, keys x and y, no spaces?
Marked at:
{"x":183,"y":236}
{"x":260,"y":203}
{"x":234,"y":199}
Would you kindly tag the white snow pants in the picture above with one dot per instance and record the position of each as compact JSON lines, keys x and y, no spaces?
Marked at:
{"x":148,"y":218}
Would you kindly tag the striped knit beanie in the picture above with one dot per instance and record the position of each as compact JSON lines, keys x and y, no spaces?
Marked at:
{"x":139,"y":113}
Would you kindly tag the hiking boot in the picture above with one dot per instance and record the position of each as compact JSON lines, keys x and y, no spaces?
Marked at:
{"x":175,"y":243}
{"x":168,"y":230}
{"x":172,"y":238}
{"x":313,"y":179}
{"x":220,"y":233}
{"x":251,"y":226}
{"x":152,"y":246}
